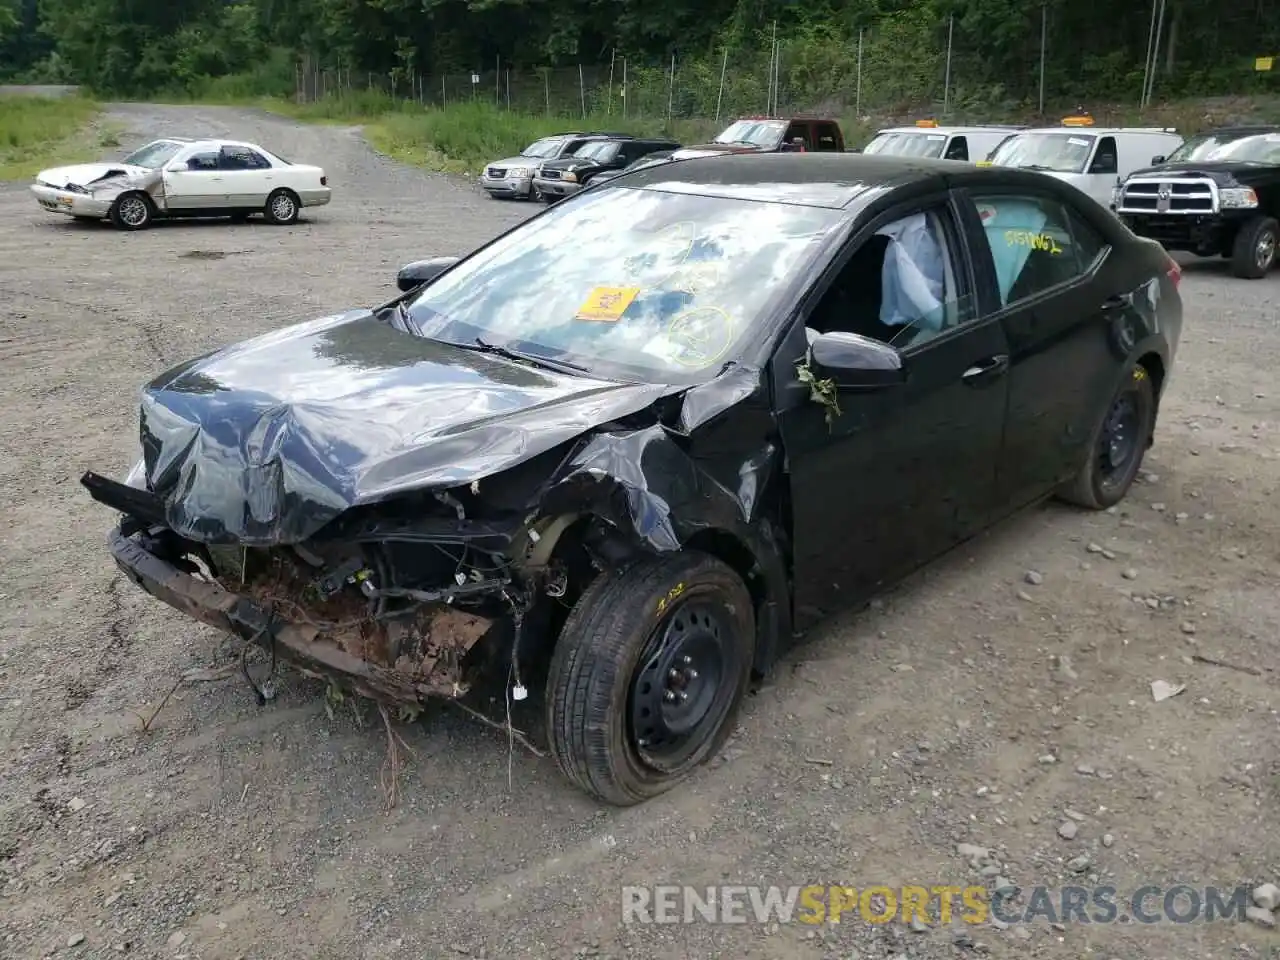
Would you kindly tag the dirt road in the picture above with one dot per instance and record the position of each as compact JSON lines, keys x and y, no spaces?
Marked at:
{"x":1001,"y":688}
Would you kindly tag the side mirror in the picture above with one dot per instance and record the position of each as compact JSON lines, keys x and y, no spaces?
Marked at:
{"x":855,"y":362}
{"x":414,"y":275}
{"x":1158,"y":159}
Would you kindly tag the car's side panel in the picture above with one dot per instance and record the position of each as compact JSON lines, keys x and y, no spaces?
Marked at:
{"x":1064,"y":357}
{"x":899,"y":475}
{"x":194,"y":190}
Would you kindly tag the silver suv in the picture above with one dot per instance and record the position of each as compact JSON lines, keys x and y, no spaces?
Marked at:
{"x":512,"y":179}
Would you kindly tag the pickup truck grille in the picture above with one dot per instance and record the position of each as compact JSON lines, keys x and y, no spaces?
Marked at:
{"x":496,"y":173}
{"x":551,"y":174}
{"x":1188,"y":197}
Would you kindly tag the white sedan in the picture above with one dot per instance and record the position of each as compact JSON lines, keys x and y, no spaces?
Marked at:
{"x":182,"y":177}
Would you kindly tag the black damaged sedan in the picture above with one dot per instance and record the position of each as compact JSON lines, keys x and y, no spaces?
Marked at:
{"x":639,"y":442}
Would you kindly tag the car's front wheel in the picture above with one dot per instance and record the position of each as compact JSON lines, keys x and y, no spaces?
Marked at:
{"x":648,"y":675}
{"x":1120,"y":442}
{"x":282,"y":208}
{"x":132,"y":211}
{"x":1254,"y":249}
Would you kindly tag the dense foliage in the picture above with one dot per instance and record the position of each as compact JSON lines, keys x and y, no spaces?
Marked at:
{"x":1096,"y":48}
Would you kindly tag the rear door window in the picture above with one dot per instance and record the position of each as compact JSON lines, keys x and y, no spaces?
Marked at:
{"x":827,"y":136}
{"x":958,"y":148}
{"x":1033,"y":246}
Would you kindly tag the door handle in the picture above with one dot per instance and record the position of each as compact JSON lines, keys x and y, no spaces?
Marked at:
{"x":986,"y":370}
{"x":1118,"y":302}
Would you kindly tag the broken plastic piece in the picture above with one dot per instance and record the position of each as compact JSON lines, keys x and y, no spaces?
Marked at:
{"x":519,"y":692}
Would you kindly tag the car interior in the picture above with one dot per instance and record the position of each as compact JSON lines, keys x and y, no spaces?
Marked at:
{"x":1105,"y":160}
{"x":899,"y":287}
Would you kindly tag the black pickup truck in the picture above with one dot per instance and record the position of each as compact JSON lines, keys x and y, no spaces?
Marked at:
{"x":1216,"y":195}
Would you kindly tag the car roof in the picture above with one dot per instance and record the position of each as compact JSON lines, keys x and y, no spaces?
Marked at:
{"x":1102,"y":131}
{"x":831,"y":180}
{"x":788,"y":118}
{"x":992,"y":128}
{"x":219,"y":143}
{"x":1241,"y":130}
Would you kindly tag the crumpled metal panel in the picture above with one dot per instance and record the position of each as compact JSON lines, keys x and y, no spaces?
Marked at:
{"x":267,"y":441}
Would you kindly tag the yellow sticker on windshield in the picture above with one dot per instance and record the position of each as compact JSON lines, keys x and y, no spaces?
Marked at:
{"x":607,"y":304}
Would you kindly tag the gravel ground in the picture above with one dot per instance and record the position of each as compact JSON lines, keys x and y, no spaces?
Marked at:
{"x":978,"y":703}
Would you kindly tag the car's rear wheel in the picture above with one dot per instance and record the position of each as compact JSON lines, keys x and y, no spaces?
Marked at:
{"x":282,"y":207}
{"x":1119,"y":444}
{"x":132,"y":211}
{"x":1254,"y":251}
{"x":648,"y":675}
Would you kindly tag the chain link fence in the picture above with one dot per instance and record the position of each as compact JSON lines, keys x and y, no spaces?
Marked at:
{"x":901,"y":67}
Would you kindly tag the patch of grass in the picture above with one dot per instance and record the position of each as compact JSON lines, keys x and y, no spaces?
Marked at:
{"x":40,"y":132}
{"x":462,"y":138}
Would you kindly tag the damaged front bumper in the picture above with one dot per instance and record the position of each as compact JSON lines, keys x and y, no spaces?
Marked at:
{"x":305,"y":646}
{"x":70,"y":202}
{"x":402,"y":659}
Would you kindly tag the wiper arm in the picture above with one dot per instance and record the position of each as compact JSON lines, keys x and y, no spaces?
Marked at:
{"x":560,"y":366}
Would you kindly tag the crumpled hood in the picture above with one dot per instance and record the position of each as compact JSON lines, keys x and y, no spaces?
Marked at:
{"x":267,"y":441}
{"x":84,"y":174}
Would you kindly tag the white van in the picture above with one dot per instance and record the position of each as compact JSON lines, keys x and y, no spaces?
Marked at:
{"x":927,"y":139}
{"x":1093,"y":159}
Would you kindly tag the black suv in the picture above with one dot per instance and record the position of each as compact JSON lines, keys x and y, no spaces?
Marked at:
{"x":1216,"y":195}
{"x":558,"y":179}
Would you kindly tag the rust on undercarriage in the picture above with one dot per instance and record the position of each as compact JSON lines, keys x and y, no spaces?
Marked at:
{"x":418,"y":650}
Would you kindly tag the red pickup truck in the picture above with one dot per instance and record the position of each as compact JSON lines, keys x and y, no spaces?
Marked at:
{"x":771,"y":135}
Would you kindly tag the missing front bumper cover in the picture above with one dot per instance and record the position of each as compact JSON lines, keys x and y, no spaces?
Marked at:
{"x":403,"y":661}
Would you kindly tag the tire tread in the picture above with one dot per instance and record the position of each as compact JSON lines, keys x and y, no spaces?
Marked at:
{"x":608,"y":621}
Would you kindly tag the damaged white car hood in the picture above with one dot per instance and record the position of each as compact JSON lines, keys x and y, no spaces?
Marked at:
{"x":82,"y":174}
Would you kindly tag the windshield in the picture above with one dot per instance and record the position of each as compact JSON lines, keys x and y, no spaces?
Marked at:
{"x":153,"y":155}
{"x":649,"y":285}
{"x":760,"y":133}
{"x":1059,"y":152}
{"x":597,"y":150}
{"x":1259,"y":148}
{"x":908,"y":144}
{"x":542,"y":149}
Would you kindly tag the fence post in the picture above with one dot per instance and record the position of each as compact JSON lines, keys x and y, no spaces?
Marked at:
{"x":857,"y":97}
{"x":582,"y":91}
{"x":1044,"y":37}
{"x":624,"y":88}
{"x":497,"y":81}
{"x":946,"y":83}
{"x":508,"y":89}
{"x":724,"y":65}
{"x":773,"y":55}
{"x":613,"y":55}
{"x":546,"y":88}
{"x":671,"y":87}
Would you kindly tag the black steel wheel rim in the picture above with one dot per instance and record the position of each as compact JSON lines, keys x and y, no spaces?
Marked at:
{"x":684,"y":683}
{"x":1119,"y":443}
